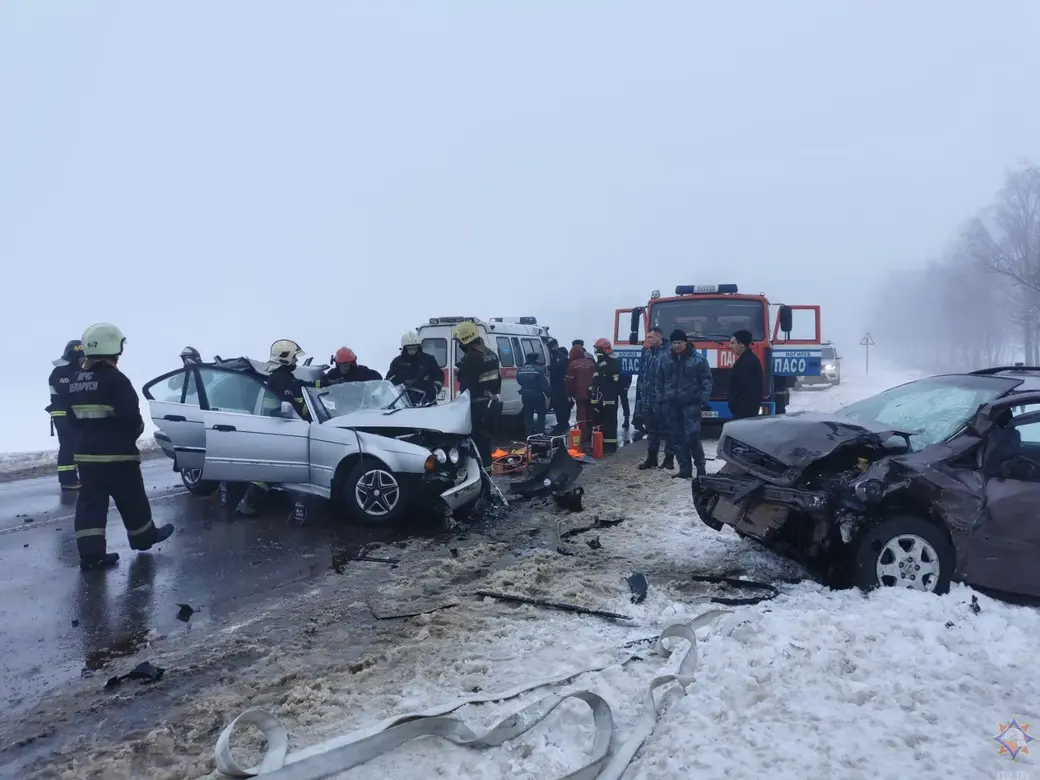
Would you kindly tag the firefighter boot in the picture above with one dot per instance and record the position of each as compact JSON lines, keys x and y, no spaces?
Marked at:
{"x":668,"y":463}
{"x":97,"y":562}
{"x":162,"y":533}
{"x":649,"y":463}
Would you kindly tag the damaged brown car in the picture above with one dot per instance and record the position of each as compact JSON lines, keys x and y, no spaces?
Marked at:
{"x":931,"y":482}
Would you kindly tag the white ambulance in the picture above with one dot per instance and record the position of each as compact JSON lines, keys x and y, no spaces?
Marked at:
{"x":512,"y":338}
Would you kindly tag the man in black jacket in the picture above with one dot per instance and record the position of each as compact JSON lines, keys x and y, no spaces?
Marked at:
{"x":347,"y":369}
{"x":105,"y":413}
{"x":65,"y":368}
{"x":745,"y":384}
{"x":558,"y":387}
{"x":416,"y":370}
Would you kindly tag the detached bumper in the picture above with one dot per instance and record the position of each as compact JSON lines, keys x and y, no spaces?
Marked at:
{"x":751,"y":504}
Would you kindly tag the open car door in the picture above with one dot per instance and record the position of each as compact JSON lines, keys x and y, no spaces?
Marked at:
{"x":796,"y":347}
{"x":629,"y":334}
{"x":247,"y":438}
{"x":173,"y":405}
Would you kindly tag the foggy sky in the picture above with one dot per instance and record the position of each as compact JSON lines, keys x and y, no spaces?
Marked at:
{"x":227,"y":174}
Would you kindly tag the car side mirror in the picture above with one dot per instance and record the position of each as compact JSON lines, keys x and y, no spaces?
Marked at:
{"x":287,"y":409}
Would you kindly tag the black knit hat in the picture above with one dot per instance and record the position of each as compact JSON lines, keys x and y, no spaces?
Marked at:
{"x":678,"y":335}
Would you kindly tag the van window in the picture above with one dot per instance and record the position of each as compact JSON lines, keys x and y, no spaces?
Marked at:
{"x":438,"y":348}
{"x":505,"y":352}
{"x":535,"y":346}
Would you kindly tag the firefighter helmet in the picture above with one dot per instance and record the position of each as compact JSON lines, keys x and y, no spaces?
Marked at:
{"x":284,"y":352}
{"x":603,"y":345}
{"x":345,"y":355}
{"x":73,"y":351}
{"x":410,"y":339}
{"x":466,"y":333}
{"x":103,"y":340}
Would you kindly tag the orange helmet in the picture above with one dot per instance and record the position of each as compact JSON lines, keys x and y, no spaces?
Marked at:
{"x":604,"y":344}
{"x":345,"y":355}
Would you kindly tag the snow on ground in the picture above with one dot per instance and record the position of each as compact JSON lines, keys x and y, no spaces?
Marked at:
{"x":815,"y":683}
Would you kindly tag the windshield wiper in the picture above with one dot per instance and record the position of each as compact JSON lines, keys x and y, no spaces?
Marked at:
{"x":710,"y":337}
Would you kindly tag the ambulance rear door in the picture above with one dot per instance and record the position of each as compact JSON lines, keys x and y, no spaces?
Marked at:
{"x":437,"y":340}
{"x":507,"y":346}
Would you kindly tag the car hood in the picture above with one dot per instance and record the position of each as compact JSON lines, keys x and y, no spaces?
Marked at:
{"x":799,"y":439}
{"x":451,"y":418}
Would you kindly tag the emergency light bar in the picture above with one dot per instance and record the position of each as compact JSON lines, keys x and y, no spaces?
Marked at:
{"x":694,"y":289}
{"x":450,"y":320}
{"x":517,"y":320}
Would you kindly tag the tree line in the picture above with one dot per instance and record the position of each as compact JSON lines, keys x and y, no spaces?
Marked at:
{"x":978,"y":304}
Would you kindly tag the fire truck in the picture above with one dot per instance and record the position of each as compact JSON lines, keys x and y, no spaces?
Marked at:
{"x":709,"y":314}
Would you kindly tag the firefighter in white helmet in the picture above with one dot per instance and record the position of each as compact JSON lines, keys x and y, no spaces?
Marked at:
{"x":283,"y":385}
{"x":104,"y":411}
{"x":416,"y":370}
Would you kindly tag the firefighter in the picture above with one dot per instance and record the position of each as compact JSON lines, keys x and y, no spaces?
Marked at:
{"x":580,"y":371}
{"x":649,"y":406}
{"x":558,"y":387}
{"x":346,"y":369}
{"x":603,"y":392}
{"x":104,"y":411}
{"x":480,"y":374}
{"x":684,"y":385}
{"x":283,"y":385}
{"x":416,"y":370}
{"x":65,"y":368}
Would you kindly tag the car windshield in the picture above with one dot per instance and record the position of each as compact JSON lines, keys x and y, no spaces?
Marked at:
{"x":932,"y":409}
{"x":349,"y":397}
{"x":716,"y":318}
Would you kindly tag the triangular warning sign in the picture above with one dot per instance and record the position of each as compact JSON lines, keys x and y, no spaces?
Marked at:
{"x":866,"y":341}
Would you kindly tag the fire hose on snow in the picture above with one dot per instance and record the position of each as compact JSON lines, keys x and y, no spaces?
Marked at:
{"x":608,"y":759}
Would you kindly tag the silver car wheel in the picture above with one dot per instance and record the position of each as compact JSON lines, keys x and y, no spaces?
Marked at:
{"x":908,"y":561}
{"x":377,"y":492}
{"x":191,"y":477}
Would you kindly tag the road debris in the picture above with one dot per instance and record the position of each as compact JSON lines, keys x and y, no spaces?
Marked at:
{"x":638,"y":585}
{"x":145,"y":672}
{"x":576,"y":609}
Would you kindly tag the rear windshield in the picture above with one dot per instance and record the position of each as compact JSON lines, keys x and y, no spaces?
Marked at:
{"x":932,"y":409}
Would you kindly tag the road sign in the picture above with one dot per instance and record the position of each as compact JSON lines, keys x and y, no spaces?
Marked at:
{"x":866,"y":342}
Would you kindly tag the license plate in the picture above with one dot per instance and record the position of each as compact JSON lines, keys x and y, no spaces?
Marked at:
{"x":709,"y":413}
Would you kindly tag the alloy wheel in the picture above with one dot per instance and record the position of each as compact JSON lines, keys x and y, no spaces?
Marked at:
{"x":377,"y":492}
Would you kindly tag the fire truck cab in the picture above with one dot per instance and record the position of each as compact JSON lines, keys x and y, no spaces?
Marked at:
{"x":710,"y":314}
{"x":512,"y":338}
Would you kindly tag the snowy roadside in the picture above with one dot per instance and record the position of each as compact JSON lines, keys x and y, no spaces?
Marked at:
{"x":898,"y":682}
{"x":24,"y":465}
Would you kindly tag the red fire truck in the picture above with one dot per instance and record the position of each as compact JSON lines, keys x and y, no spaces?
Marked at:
{"x":709,"y":314}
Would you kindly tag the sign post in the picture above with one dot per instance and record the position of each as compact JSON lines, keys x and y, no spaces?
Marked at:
{"x":866,"y":342}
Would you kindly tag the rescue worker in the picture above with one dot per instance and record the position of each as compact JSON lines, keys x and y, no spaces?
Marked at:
{"x":104,"y":411}
{"x":581,"y":343}
{"x":603,"y":392}
{"x":346,"y":369}
{"x":416,"y":370}
{"x":649,"y":403}
{"x":558,"y":387}
{"x":480,"y":374}
{"x":65,"y":368}
{"x":684,"y":387}
{"x":283,"y":385}
{"x":534,"y":387}
{"x":745,"y":382}
{"x":578,"y":382}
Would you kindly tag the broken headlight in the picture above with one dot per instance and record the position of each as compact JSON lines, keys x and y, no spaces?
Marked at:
{"x":869,"y":491}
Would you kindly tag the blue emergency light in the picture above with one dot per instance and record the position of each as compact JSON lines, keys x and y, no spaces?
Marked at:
{"x":693,"y":289}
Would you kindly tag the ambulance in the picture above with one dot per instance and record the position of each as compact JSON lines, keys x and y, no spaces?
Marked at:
{"x":709,"y":314}
{"x":512,"y":338}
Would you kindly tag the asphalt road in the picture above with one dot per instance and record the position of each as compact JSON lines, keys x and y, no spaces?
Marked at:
{"x":58,"y":624}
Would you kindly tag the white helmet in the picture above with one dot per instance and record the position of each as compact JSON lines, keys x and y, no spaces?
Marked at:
{"x":102,"y":339}
{"x":410,"y":339}
{"x":284,"y":352}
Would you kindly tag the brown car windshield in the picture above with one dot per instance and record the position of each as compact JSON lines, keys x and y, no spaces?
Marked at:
{"x":932,"y":409}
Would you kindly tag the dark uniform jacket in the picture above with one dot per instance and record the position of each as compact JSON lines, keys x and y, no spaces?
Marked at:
{"x":606,"y":379}
{"x":479,"y":373}
{"x":105,"y":412}
{"x":533,"y":382}
{"x":421,"y":370}
{"x":358,"y":373}
{"x":285,"y":386}
{"x":59,"y":381}
{"x":684,"y":380}
{"x":745,"y":386}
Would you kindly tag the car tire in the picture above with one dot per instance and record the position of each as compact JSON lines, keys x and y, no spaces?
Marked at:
{"x":374,"y":485}
{"x":196,"y":485}
{"x":924,"y":544}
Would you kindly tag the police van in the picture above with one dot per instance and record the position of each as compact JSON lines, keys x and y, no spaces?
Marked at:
{"x":512,"y":339}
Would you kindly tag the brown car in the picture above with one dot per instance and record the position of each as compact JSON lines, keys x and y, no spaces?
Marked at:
{"x":933,"y":481}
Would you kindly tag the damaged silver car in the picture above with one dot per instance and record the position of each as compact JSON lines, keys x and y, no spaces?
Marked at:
{"x":927,"y":483}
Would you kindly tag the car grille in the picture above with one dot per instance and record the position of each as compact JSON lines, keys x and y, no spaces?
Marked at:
{"x":720,"y":382}
{"x":750,"y":458}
